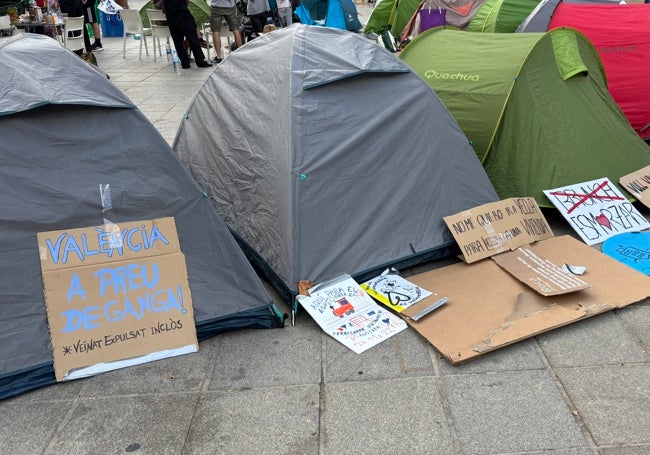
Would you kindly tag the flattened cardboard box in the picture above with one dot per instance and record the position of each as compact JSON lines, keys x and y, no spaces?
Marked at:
{"x":116,"y":296}
{"x":488,"y":308}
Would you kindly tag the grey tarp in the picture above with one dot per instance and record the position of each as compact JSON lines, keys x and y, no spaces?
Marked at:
{"x":326,"y":154}
{"x":65,"y":130}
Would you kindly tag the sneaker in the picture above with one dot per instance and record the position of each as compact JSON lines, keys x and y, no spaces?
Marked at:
{"x":203,"y":64}
{"x":217,"y":60}
{"x":97,"y":47}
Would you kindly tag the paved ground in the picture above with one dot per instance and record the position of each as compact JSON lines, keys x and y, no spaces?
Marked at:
{"x":580,"y":390}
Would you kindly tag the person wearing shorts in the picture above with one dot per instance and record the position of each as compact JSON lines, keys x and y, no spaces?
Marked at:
{"x":90,"y":17}
{"x":220,"y":10}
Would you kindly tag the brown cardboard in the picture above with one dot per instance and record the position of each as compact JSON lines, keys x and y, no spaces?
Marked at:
{"x":538,"y":273}
{"x":488,"y":308}
{"x":109,"y":304}
{"x":638,"y":183}
{"x":496,"y":227}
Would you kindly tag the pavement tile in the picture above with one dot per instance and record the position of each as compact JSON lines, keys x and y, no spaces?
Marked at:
{"x":185,"y":373}
{"x":613,"y":401}
{"x":261,"y":421}
{"x":61,"y":391}
{"x":268,"y":358}
{"x":26,"y":427}
{"x":514,"y":411}
{"x":143,"y":424}
{"x":637,"y":320}
{"x":395,"y":416}
{"x":402,"y":355}
{"x":625,"y":450}
{"x":599,"y":340}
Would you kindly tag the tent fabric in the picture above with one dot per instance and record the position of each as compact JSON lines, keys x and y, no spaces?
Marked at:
{"x":402,"y":15}
{"x":532,"y":126}
{"x":200,"y":9}
{"x":56,"y":151}
{"x":23,"y":88}
{"x":317,"y":175}
{"x":379,"y":19}
{"x":539,"y":18}
{"x":501,"y":16}
{"x":621,"y":34}
{"x":458,"y":13}
{"x":341,"y":14}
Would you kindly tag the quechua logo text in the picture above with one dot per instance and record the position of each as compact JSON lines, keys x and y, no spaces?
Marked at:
{"x":454,"y":76}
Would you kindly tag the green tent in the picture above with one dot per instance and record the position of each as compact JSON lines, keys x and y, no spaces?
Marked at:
{"x":501,"y":16}
{"x":380,"y":17}
{"x":534,"y":106}
{"x":404,"y":10}
{"x":199,"y":9}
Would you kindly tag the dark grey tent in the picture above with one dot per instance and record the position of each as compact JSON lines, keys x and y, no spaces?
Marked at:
{"x":65,"y":130}
{"x":326,"y":154}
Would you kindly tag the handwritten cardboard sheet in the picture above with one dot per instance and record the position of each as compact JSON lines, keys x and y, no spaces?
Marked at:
{"x":116,"y":295}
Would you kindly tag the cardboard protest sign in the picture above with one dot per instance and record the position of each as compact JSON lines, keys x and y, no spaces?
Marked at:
{"x":638,"y":183}
{"x":630,"y":248}
{"x":116,"y":295}
{"x":539,"y":273}
{"x":488,"y":308}
{"x":597,"y":210}
{"x":349,"y":315}
{"x":497,"y":227}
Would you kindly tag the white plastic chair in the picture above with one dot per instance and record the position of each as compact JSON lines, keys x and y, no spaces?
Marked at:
{"x":159,"y":29}
{"x":73,"y":33}
{"x":133,"y":24}
{"x":6,"y":27}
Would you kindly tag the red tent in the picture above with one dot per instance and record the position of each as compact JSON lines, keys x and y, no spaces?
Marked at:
{"x":621,"y":34}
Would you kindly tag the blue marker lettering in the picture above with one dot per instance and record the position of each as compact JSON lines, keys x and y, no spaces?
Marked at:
{"x":55,"y":249}
{"x":76,"y":288}
{"x":133,"y":246}
{"x":71,"y":247}
{"x":155,"y":235}
{"x":84,"y":246}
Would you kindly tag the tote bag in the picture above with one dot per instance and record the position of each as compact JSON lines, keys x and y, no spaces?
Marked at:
{"x":430,"y":18}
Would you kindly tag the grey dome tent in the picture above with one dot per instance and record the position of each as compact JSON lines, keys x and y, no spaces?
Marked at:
{"x":325,"y":154}
{"x":66,"y":129}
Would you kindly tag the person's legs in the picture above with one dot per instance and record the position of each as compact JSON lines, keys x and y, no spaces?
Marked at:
{"x":215,"y":24}
{"x":256,"y":22}
{"x":85,"y":12}
{"x":233,"y":25}
{"x":92,"y":19}
{"x":285,"y":14}
{"x":238,"y":39}
{"x":176,"y":31}
{"x":188,"y":25}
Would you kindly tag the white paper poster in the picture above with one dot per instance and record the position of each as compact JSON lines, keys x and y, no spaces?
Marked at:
{"x":597,"y":210}
{"x":394,"y":291}
{"x":349,"y":315}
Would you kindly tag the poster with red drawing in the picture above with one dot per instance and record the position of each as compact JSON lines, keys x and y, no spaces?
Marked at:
{"x":597,"y":210}
{"x":349,"y":315}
